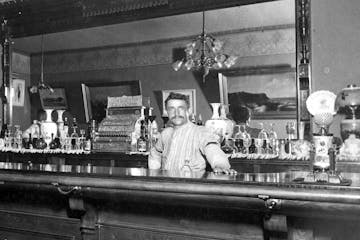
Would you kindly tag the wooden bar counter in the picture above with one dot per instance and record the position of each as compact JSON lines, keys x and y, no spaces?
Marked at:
{"x":44,"y":201}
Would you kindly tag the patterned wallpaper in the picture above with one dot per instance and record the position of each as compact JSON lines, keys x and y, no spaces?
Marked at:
{"x":259,"y":42}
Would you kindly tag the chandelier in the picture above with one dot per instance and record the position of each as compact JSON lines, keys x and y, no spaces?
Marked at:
{"x":204,"y":53}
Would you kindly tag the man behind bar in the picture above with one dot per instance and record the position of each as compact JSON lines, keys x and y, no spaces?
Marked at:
{"x":185,"y":143}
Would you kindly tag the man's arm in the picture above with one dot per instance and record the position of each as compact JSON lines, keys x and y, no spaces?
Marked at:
{"x":154,"y":159}
{"x":218,"y":159}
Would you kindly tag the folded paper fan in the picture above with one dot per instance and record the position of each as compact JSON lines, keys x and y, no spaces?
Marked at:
{"x":321,"y":102}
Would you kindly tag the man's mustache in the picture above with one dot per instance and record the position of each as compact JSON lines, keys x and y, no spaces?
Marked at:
{"x":176,"y":117}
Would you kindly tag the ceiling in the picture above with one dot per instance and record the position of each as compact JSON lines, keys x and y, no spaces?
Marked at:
{"x":241,"y":17}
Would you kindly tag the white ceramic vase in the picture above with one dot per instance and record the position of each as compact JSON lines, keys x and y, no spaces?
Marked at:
{"x":48,"y":127}
{"x":220,"y":125}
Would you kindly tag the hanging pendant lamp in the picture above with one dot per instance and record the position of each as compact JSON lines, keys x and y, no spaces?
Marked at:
{"x":42,"y":85}
{"x":204,"y":53}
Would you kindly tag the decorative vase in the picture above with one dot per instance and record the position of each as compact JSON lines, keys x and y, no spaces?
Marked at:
{"x":229,"y":124}
{"x":48,"y":127}
{"x":220,"y":125}
{"x":60,"y":123}
{"x":60,"y":113}
{"x":348,"y":104}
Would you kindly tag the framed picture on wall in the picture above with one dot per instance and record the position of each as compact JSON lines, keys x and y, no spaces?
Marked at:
{"x":53,"y":100}
{"x":191,"y":93}
{"x":269,"y":92}
{"x":18,"y":86}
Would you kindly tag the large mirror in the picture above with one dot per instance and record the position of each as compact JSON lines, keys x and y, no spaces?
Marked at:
{"x":262,"y":35}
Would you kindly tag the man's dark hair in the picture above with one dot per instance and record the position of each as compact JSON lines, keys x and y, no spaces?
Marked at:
{"x":178,"y":96}
{"x":240,"y":113}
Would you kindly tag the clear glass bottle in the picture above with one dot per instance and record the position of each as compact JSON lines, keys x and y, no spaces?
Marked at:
{"x":142,"y":143}
{"x":272,"y":139}
{"x":261,"y":141}
{"x":8,"y":137}
{"x":74,"y":135}
{"x":17,"y":137}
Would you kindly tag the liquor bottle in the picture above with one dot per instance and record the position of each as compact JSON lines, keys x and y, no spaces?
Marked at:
{"x":53,"y":144}
{"x":29,"y":144}
{"x":142,"y":142}
{"x":193,"y":120}
{"x":3,"y":130}
{"x":199,"y":121}
{"x":252,"y":148}
{"x":74,"y":135}
{"x":40,"y":143}
{"x":66,"y":126}
{"x":17,"y":137}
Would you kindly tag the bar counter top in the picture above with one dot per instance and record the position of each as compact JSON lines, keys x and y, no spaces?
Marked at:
{"x":124,"y":201}
{"x":253,"y":185}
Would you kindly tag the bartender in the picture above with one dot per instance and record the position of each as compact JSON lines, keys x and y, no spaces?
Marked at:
{"x":186,"y":144}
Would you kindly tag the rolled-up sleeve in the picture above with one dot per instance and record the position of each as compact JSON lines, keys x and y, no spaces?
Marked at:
{"x":210,"y":147}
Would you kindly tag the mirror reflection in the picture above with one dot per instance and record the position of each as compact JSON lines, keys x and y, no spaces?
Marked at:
{"x":259,"y":35}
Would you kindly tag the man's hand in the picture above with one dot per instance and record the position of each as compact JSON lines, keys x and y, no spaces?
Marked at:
{"x":228,"y":171}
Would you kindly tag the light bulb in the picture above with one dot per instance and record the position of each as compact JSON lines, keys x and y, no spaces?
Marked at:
{"x":177,"y":65}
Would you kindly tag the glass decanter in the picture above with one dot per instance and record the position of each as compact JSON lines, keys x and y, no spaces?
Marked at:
{"x":246,"y":142}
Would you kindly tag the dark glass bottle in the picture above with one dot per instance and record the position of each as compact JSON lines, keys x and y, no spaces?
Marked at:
{"x":142,"y":142}
{"x":74,"y":135}
{"x":53,"y":144}
{"x":4,"y":128}
{"x":199,"y":121}
{"x":252,"y":148}
{"x":40,"y":143}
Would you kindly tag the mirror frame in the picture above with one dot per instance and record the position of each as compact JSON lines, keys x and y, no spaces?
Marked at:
{"x":13,"y":25}
{"x":302,"y":70}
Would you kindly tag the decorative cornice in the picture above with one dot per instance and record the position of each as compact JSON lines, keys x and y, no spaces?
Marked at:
{"x":244,"y":44}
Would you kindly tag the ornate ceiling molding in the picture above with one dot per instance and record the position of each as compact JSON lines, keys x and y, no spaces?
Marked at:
{"x":34,"y":17}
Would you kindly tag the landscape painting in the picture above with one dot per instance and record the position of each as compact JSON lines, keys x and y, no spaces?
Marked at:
{"x":268,"y":95}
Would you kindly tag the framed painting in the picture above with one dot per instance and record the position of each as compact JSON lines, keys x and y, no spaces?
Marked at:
{"x":53,"y":100}
{"x":95,"y":96}
{"x":191,"y":93}
{"x":18,"y":97}
{"x":269,"y":92}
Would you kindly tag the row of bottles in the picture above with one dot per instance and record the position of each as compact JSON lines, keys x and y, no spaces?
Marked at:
{"x":266,"y":142}
{"x":35,"y":137}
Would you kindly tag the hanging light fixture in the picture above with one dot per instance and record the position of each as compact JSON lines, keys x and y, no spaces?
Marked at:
{"x":41,"y":84}
{"x":204,"y":53}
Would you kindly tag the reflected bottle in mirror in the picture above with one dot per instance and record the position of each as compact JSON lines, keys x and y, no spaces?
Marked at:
{"x":252,"y":148}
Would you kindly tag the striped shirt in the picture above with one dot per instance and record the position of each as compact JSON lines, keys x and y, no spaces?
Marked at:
{"x":186,"y":145}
